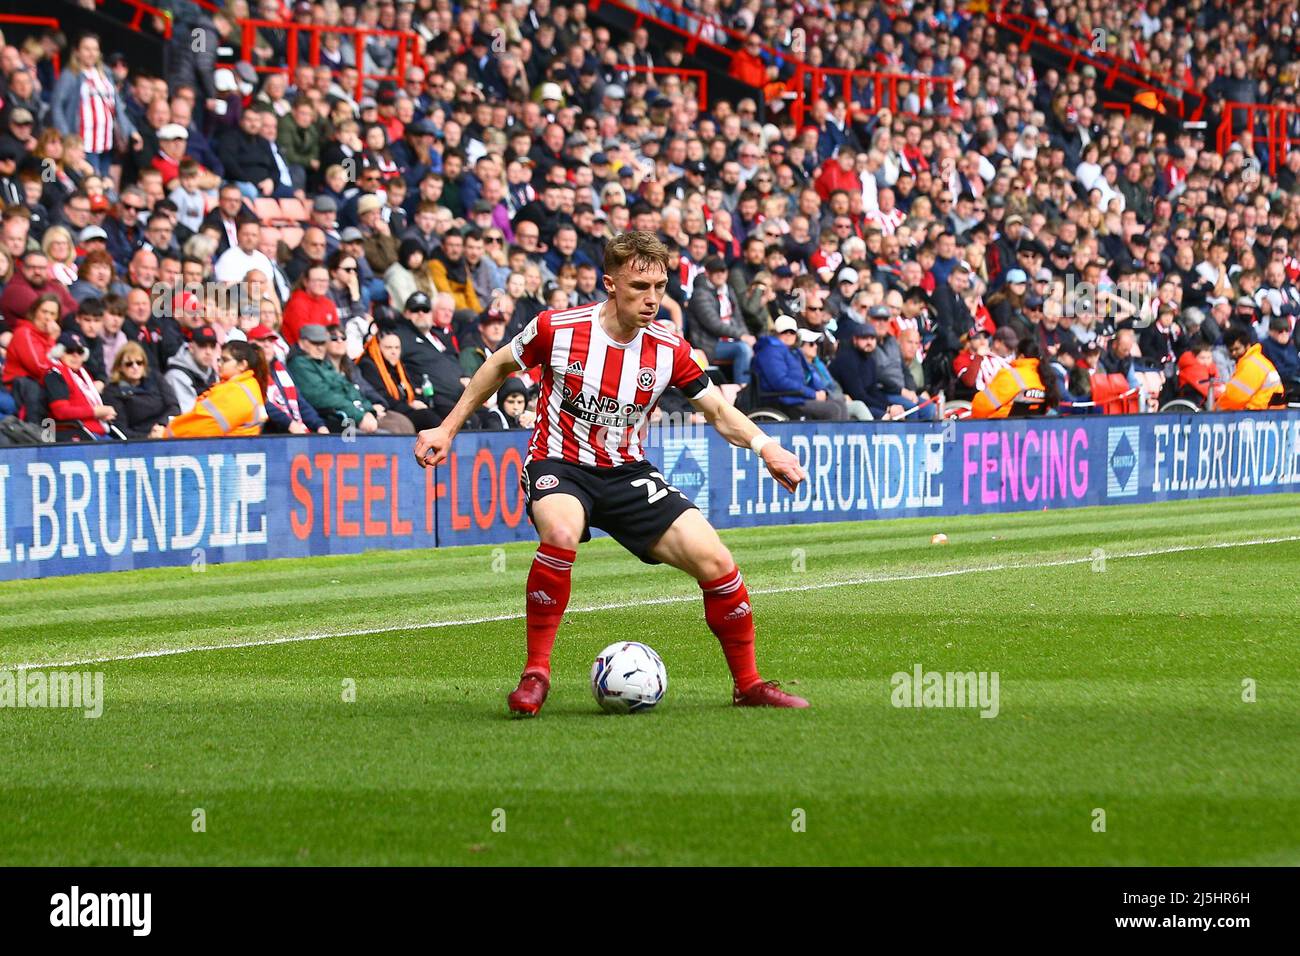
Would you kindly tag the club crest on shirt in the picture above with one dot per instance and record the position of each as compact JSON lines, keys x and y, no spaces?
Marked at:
{"x":546,"y":482}
{"x":645,"y":379}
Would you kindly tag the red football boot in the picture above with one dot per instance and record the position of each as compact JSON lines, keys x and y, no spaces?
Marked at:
{"x":529,"y":696}
{"x":766,"y":694}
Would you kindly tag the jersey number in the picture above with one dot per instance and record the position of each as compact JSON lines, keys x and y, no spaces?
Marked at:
{"x":653,"y":493}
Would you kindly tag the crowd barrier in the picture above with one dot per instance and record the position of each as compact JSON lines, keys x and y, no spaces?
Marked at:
{"x":70,"y":509}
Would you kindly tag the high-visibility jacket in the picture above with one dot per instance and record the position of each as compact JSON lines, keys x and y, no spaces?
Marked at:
{"x":1019,"y":380}
{"x":1254,"y":383}
{"x":234,"y":407}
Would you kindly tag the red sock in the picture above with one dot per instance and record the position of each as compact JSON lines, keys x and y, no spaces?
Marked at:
{"x":548,"y":596}
{"x":726,"y":608}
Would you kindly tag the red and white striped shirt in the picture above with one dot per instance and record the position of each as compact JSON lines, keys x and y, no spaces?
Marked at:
{"x":886,"y":222}
{"x":98,"y":106}
{"x":597,"y":394}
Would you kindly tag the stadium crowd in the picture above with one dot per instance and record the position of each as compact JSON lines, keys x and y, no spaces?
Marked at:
{"x":235,"y":246}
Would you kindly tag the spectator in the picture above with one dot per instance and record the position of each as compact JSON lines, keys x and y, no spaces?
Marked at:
{"x":1279,"y":348}
{"x":381,"y":365}
{"x":340,"y":403}
{"x":450,"y":273}
{"x":193,"y":369}
{"x":855,"y":368}
{"x":31,"y":281}
{"x":311,"y":303}
{"x":512,"y":406}
{"x":395,"y":423}
{"x":287,"y":412}
{"x":89,"y":322}
{"x":427,"y":358}
{"x":1198,"y":376}
{"x":71,"y":393}
{"x":235,"y":405}
{"x":818,"y":376}
{"x":86,"y":104}
{"x":715,"y":323}
{"x":408,"y":274}
{"x":781,"y":374}
{"x":490,"y":336}
{"x":29,"y":358}
{"x":144,"y":403}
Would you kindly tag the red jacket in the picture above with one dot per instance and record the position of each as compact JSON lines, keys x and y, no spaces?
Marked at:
{"x":19,"y":295}
{"x":303,"y":308}
{"x":830,"y":178}
{"x":748,"y":69}
{"x":68,"y":402}
{"x":28,"y":355}
{"x":1192,"y":373}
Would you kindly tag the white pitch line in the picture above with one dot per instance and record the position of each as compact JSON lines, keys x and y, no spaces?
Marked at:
{"x":623,"y":605}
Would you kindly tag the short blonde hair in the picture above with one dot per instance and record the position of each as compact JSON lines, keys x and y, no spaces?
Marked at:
{"x":129,"y":350}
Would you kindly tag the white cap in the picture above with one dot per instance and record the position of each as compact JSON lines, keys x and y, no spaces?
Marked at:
{"x":173,"y":131}
{"x":848,"y":275}
{"x":808,"y":335}
{"x":552,"y":91}
{"x":224,"y":80}
{"x":786,"y":324}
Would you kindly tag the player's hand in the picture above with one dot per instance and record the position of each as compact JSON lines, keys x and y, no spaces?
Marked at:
{"x":432,"y":445}
{"x":783,"y":465}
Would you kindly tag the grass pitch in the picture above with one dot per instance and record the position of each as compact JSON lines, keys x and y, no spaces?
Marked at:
{"x":1120,"y":689}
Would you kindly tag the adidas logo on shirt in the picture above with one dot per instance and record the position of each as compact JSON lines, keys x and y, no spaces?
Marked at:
{"x":574,"y":369}
{"x":740,"y":610}
{"x":540,"y":597}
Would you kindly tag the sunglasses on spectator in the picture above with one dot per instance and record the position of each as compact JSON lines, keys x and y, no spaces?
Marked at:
{"x":347,"y":268}
{"x":133,"y":363}
{"x":127,"y":205}
{"x":336,"y":337}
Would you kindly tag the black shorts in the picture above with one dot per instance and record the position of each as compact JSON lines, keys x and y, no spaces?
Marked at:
{"x":633,"y":503}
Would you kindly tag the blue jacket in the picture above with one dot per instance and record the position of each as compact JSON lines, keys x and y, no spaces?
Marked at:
{"x":815,"y":375}
{"x":781,"y":369}
{"x":856,"y":373}
{"x":1284,"y":357}
{"x":67,"y":104}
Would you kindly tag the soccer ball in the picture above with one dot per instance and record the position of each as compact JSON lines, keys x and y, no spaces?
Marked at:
{"x":628,"y":677}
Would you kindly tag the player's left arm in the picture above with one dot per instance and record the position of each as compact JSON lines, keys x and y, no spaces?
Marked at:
{"x":736,"y":428}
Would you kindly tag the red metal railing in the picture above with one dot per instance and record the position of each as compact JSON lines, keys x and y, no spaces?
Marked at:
{"x":408,"y":45}
{"x":1171,"y":95}
{"x":699,"y":77}
{"x":22,"y":20}
{"x":693,"y":40}
{"x":1278,"y":132}
{"x":882,"y":87}
{"x":143,"y":10}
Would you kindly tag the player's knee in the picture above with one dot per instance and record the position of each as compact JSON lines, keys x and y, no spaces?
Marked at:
{"x":715,"y":565}
{"x":560,"y":536}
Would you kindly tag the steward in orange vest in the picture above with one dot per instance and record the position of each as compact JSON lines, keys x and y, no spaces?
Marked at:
{"x":235,"y":405}
{"x":1255,"y":384}
{"x":1019,"y":390}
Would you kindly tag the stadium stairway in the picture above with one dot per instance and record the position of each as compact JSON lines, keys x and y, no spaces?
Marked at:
{"x":624,"y":16}
{"x":1125,"y":86}
{"x":123,"y":26}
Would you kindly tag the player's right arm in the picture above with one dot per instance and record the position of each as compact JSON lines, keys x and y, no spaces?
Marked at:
{"x":432,"y":444}
{"x":528,"y":349}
